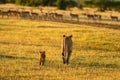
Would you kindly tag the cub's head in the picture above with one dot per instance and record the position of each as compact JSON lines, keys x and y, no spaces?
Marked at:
{"x":42,"y":53}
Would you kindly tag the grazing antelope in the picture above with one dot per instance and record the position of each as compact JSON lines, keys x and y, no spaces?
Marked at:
{"x":90,"y":16}
{"x":11,"y":12}
{"x":94,"y":17}
{"x":25,"y":14}
{"x":43,"y":15}
{"x":58,"y":16}
{"x":14,"y":13}
{"x":76,"y":16}
{"x":114,"y":18}
{"x":34,"y":15}
{"x":5,"y":13}
{"x":97,"y":16}
{"x":51,"y":15}
{"x":67,"y":48}
{"x":42,"y":58}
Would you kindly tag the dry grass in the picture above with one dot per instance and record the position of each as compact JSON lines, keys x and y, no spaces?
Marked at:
{"x":95,"y":56}
{"x":82,"y":18}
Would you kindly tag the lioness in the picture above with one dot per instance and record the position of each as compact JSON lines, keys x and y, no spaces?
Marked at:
{"x":67,"y":48}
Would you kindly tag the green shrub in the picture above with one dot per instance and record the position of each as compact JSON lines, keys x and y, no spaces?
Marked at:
{"x":61,"y":4}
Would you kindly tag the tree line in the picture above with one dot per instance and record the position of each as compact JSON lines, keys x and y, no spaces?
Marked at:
{"x":102,"y":5}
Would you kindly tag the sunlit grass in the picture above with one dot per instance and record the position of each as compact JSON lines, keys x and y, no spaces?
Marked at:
{"x":95,"y":56}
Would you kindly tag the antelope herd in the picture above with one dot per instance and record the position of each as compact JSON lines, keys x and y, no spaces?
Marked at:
{"x":49,"y":15}
{"x":94,"y":17}
{"x":76,"y":16}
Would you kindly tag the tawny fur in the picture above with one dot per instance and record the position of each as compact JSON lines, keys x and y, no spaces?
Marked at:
{"x":42,"y":57}
{"x":67,"y":48}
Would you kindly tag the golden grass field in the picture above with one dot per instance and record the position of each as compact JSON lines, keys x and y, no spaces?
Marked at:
{"x":95,"y":56}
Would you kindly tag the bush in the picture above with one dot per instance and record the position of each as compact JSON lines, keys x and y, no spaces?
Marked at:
{"x":2,"y":1}
{"x":71,"y":3}
{"x":10,"y":1}
{"x":29,"y":2}
{"x":52,"y":2}
{"x":80,"y":6}
{"x":61,"y":4}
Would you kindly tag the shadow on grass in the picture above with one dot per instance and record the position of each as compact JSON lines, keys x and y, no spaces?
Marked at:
{"x":51,"y":27}
{"x":24,"y":44}
{"x":79,"y":62}
{"x":3,"y":24}
{"x":53,"y":63}
{"x":11,"y":25}
{"x":98,"y":65}
{"x":15,"y":57}
{"x":60,"y":65}
{"x":100,"y":49}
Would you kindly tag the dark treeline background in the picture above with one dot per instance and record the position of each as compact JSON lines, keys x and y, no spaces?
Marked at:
{"x":102,"y":5}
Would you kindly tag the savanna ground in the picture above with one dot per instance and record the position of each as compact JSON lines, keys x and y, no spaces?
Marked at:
{"x":95,"y":56}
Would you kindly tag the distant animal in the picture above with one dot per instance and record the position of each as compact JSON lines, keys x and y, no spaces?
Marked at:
{"x":42,"y":57}
{"x":5,"y":13}
{"x":90,"y":16}
{"x":97,"y":16}
{"x":114,"y":18}
{"x":74,"y":16}
{"x":67,"y":48}
{"x":25,"y":14}
{"x":34,"y":15}
{"x":59,"y":16}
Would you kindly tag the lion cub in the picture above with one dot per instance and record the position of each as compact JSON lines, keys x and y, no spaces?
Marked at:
{"x":42,"y":57}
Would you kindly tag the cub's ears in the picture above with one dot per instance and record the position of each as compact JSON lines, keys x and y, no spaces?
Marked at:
{"x":70,"y":35}
{"x":63,"y":35}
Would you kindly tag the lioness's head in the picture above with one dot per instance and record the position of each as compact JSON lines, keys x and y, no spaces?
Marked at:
{"x":67,"y":36}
